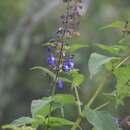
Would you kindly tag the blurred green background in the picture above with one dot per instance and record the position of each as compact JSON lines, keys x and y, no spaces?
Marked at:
{"x":25,"y":25}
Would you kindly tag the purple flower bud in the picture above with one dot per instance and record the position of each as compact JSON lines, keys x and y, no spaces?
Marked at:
{"x":49,"y":49}
{"x":60,"y":84}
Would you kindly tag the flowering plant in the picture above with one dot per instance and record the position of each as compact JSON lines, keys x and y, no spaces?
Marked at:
{"x":62,"y":71}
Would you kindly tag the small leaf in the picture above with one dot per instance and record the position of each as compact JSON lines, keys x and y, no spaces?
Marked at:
{"x":122,"y":87}
{"x":115,"y":49}
{"x":22,"y":121}
{"x":75,"y":47}
{"x":125,"y":41}
{"x":40,"y":107}
{"x":9,"y":127}
{"x":51,"y":74}
{"x":64,"y":79}
{"x":64,"y":99}
{"x":100,"y":119}
{"x":123,"y":75}
{"x":53,"y":121}
{"x":96,"y":61}
{"x":48,"y":44}
{"x":115,"y":25}
{"x":77,"y":78}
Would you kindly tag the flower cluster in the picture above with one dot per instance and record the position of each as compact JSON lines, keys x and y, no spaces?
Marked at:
{"x":61,"y":59}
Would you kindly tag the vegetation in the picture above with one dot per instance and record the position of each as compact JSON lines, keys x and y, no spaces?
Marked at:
{"x":108,"y":65}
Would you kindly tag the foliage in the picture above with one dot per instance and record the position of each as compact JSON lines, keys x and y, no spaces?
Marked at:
{"x":62,"y":70}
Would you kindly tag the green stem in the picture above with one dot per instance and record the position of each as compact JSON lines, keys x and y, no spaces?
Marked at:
{"x":90,"y":102}
{"x":122,"y":61}
{"x":99,"y":89}
{"x":102,"y":106}
{"x":78,"y":100}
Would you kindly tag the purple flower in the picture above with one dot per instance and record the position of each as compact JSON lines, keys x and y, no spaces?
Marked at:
{"x":117,"y":121}
{"x":60,"y":84}
{"x":50,"y":49}
{"x":66,"y":67}
{"x":71,"y":64}
{"x":59,"y":31}
{"x":51,"y":59}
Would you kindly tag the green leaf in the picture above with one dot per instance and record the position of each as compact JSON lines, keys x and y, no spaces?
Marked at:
{"x":122,"y":87}
{"x":75,"y":47}
{"x":77,"y":78}
{"x":122,"y":74}
{"x":22,"y":121}
{"x":125,"y":41}
{"x":53,"y":121}
{"x":9,"y":127}
{"x":100,"y":119}
{"x":48,"y":44}
{"x":64,"y":79}
{"x":40,"y":107}
{"x":51,"y":74}
{"x":115,"y":49}
{"x":96,"y":61}
{"x":64,"y":99}
{"x":117,"y":24}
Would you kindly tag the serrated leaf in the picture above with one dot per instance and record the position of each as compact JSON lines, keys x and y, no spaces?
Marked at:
{"x":96,"y":61}
{"x":75,"y":47}
{"x":40,"y":107}
{"x":64,"y":99}
{"x":51,"y":74}
{"x":122,"y":87}
{"x":122,"y":75}
{"x":100,"y":119}
{"x":53,"y":121}
{"x":22,"y":121}
{"x":77,"y":78}
{"x":117,"y":24}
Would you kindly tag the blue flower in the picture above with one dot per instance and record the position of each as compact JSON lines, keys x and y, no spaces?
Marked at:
{"x":66,"y":67}
{"x":59,"y":31}
{"x":51,"y":59}
{"x":117,"y":121}
{"x":71,"y":64}
{"x":49,"y":49}
{"x":60,"y":84}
